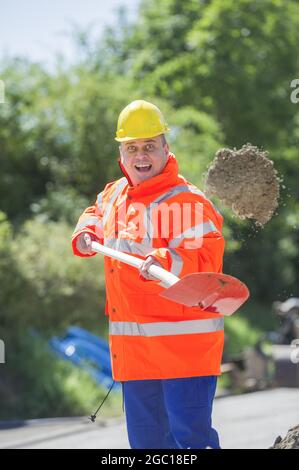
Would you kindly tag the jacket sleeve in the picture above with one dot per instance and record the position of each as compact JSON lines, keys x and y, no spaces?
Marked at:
{"x":197,"y":248}
{"x":90,"y":221}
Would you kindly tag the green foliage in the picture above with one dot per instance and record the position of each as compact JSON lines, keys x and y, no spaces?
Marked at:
{"x":56,"y":134}
{"x":22,"y":175}
{"x":246,"y":327}
{"x":234,"y":59}
{"x":45,"y":288}
{"x":195,"y":139}
{"x":37,"y":384}
{"x":57,"y":289}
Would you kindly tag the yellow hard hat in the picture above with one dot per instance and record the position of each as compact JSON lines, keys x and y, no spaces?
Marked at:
{"x":140,"y":120}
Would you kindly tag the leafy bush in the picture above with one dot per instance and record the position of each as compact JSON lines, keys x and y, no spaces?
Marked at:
{"x":37,"y":384}
{"x":54,"y":288}
{"x":46,"y":288}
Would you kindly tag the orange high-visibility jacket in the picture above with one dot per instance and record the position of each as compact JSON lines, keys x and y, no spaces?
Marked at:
{"x":151,"y":337}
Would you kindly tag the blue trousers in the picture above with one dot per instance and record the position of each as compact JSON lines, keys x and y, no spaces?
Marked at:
{"x":170,"y":413}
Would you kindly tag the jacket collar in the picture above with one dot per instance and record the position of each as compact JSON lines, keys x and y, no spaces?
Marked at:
{"x":167,"y":178}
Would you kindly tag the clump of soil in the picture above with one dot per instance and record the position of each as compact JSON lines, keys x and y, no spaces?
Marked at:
{"x":245,"y":180}
{"x":290,"y":441}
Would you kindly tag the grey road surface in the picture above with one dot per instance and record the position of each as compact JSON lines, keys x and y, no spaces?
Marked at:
{"x":250,"y":421}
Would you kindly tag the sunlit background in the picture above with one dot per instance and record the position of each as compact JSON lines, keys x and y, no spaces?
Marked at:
{"x":41,"y":31}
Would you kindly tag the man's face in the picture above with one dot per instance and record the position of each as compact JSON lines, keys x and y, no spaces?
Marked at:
{"x":144,"y":158}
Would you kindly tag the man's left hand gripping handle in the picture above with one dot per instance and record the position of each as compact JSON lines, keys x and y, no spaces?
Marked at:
{"x":89,"y":228}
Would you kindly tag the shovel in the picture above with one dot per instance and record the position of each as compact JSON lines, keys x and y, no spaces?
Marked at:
{"x":212,"y":292}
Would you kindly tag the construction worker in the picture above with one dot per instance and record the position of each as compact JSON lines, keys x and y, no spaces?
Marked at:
{"x":166,"y":355}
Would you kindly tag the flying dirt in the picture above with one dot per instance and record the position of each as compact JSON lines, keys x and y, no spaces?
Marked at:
{"x":246,"y":181}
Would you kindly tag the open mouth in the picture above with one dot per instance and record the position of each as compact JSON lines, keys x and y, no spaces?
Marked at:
{"x":143,"y":167}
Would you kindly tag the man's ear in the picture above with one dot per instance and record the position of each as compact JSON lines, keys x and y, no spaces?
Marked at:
{"x":166,"y":148}
{"x":121,"y":154}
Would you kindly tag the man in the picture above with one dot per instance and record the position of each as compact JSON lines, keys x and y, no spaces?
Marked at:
{"x":166,"y":355}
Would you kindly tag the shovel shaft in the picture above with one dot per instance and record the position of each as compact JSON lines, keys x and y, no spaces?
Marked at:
{"x":161,"y":274}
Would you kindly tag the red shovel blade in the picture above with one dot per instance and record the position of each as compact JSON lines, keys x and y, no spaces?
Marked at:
{"x":213,"y":292}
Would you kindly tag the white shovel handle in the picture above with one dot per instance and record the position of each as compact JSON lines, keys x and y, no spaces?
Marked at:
{"x":166,"y":277}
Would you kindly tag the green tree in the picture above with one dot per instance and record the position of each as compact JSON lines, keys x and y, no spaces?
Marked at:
{"x":233,"y":61}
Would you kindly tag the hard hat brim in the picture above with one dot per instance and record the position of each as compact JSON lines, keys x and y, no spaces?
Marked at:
{"x":148,"y":136}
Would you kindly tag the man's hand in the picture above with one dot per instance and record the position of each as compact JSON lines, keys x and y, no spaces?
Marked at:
{"x":143,"y":270}
{"x":84,"y":243}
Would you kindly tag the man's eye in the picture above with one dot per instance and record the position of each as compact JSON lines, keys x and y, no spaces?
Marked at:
{"x":131,"y":148}
{"x":149,"y":147}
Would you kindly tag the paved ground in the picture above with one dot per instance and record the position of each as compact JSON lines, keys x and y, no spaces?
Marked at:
{"x":250,"y":421}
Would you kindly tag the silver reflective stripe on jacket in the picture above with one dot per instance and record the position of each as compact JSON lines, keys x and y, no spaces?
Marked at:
{"x":176,"y":262}
{"x":129,"y":246}
{"x":100,"y":199}
{"x":109,"y":205}
{"x":163,"y":197}
{"x":209,"y":325}
{"x":143,"y":249}
{"x":193,"y":232}
{"x":92,"y":220}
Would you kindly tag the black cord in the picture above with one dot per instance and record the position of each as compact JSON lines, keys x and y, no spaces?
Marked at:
{"x":123,"y":397}
{"x":93,"y":416}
